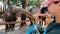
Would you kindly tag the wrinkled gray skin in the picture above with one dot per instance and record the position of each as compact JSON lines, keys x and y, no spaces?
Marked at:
{"x":10,"y":15}
{"x":35,"y":10}
{"x":15,"y":10}
{"x":10,"y":11}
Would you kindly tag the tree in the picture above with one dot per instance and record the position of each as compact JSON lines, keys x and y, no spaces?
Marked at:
{"x":23,"y":17}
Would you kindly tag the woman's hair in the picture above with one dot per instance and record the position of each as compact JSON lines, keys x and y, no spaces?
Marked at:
{"x":44,"y":10}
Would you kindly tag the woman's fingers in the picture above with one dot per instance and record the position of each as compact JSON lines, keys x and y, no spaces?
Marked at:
{"x":43,"y":15}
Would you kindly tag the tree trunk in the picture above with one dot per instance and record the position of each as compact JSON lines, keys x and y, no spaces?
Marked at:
{"x":8,"y":2}
{"x":39,"y":3}
{"x":16,"y":2}
{"x":23,"y":17}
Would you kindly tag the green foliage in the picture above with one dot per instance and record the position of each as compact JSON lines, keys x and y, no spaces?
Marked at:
{"x":31,"y":2}
{"x":14,"y":2}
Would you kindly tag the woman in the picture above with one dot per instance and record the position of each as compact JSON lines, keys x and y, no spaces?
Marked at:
{"x":54,"y":10}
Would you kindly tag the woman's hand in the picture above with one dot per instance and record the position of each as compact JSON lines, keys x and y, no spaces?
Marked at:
{"x":47,"y":16}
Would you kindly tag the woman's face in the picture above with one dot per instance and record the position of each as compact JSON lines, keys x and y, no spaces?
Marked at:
{"x":54,"y":8}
